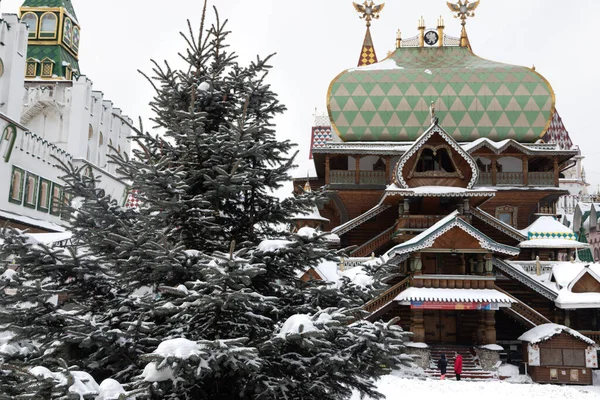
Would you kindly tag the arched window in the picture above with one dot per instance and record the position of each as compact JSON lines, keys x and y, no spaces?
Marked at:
{"x":90,"y":132}
{"x":68,"y":31}
{"x":1,"y":68}
{"x":31,"y":190}
{"x":16,"y":185}
{"x":48,"y":26}
{"x":7,"y":142}
{"x":435,"y":160}
{"x":76,"y":39}
{"x":100,"y":139}
{"x":31,"y":20}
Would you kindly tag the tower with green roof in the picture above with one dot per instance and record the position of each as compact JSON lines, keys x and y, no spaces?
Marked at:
{"x":54,"y":32}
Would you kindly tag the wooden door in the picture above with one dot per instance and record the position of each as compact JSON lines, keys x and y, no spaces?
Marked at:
{"x":448,"y":326}
{"x":431,"y":322}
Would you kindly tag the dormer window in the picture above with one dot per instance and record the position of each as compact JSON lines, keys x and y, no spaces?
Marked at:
{"x":435,"y":162}
{"x":48,"y":26}
{"x":47,"y":68}
{"x":31,"y":19}
{"x":31,"y":68}
{"x":68,"y":32}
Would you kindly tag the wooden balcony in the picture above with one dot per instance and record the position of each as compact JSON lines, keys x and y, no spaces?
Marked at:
{"x":545,"y":179}
{"x":453,"y":281}
{"x":361,"y":178}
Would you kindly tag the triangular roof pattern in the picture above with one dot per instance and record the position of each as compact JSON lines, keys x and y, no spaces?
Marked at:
{"x":427,"y":238}
{"x":421,"y":141}
{"x":367,"y":51}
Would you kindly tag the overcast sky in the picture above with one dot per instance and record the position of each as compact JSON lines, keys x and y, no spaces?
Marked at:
{"x":317,"y":39}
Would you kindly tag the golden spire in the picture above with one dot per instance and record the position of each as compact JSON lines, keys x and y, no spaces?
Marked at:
{"x":369,"y":10}
{"x":463,"y":9}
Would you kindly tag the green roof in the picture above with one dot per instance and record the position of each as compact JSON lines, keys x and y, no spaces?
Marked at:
{"x":473,"y":98}
{"x":56,"y":53}
{"x":66,"y":4}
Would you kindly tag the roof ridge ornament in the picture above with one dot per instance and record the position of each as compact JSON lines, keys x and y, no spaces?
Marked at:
{"x":463,"y":10}
{"x":369,"y":10}
{"x":434,"y":119}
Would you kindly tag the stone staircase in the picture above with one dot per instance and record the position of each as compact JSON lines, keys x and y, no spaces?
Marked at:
{"x":471,"y":368}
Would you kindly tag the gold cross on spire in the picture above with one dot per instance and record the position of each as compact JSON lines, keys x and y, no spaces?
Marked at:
{"x":368,"y":10}
{"x":463,"y":9}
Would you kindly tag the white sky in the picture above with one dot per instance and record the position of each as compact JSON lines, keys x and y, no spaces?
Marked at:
{"x":317,"y":39}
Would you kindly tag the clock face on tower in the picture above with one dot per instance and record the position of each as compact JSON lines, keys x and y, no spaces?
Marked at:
{"x":431,"y":38}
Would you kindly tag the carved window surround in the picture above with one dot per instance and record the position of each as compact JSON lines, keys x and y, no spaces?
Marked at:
{"x":514,"y":211}
{"x":435,"y":174}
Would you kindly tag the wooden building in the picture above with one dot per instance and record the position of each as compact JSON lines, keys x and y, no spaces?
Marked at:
{"x":557,"y":354}
{"x":447,"y":167}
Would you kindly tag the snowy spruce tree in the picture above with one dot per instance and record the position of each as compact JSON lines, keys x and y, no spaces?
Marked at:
{"x":196,"y":295}
{"x":206,"y":187}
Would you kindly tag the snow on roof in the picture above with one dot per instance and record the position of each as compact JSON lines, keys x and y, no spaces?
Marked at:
{"x":544,"y":332}
{"x":564,"y":272}
{"x":387,"y":64}
{"x":453,"y":295}
{"x":304,"y":169}
{"x":48,"y":238}
{"x":32,"y":221}
{"x":312,"y":215}
{"x":548,"y":227}
{"x":569,"y":300}
{"x":358,"y":276}
{"x":493,"y":347}
{"x":328,"y":271}
{"x":553,"y":244}
{"x":449,"y":191}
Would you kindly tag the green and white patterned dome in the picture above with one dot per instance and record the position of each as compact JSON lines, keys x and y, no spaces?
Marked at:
{"x":473,"y":98}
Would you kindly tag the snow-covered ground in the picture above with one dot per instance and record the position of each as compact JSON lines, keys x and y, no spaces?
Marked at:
{"x":398,"y":387}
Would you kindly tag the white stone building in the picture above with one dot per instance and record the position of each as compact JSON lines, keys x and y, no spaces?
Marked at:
{"x":49,"y":109}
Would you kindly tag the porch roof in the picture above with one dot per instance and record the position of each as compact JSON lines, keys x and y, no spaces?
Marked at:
{"x":427,"y":238}
{"x":453,"y":295}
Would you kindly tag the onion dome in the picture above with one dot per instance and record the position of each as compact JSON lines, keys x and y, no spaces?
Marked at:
{"x":473,"y":97}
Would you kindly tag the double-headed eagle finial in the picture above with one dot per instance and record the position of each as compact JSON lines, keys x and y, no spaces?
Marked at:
{"x":368,"y":10}
{"x":463,"y":9}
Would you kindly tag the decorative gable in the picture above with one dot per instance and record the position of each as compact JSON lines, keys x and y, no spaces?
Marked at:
{"x":585,"y":282}
{"x":435,"y":159}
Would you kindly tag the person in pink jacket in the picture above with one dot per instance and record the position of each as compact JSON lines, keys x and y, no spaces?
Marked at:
{"x":457,"y":365}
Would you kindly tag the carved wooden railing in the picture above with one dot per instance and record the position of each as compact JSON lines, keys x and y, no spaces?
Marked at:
{"x":374,"y":243}
{"x":453,"y":281}
{"x":509,"y":178}
{"x":387,"y":296}
{"x":594,"y":335}
{"x":485,"y":179}
{"x":347,"y":177}
{"x":353,"y":223}
{"x":372,"y":178}
{"x":541,"y":178}
{"x":407,"y":221}
{"x":523,"y":312}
